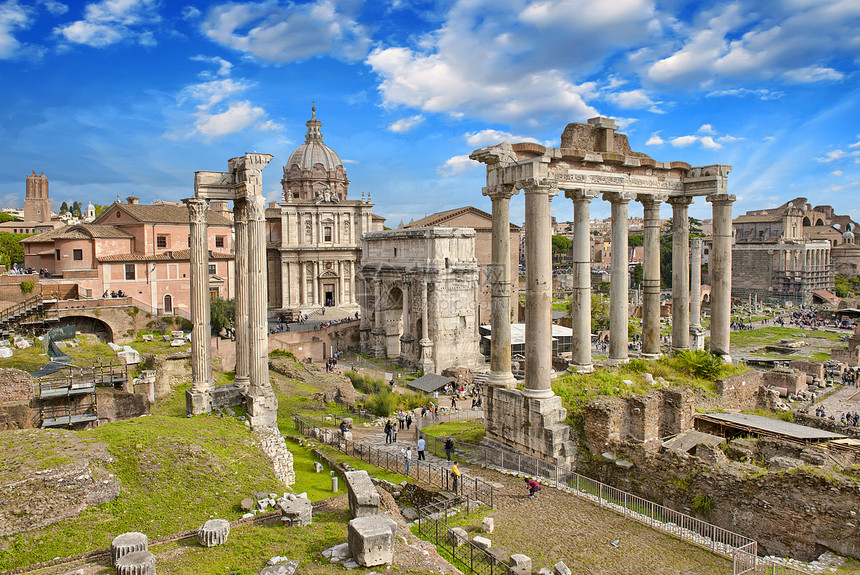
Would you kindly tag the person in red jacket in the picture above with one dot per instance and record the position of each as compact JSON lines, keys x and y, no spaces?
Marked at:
{"x":533,"y":486}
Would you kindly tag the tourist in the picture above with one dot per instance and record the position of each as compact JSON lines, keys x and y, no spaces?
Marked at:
{"x":533,"y":486}
{"x":408,"y":421}
{"x":343,"y":427}
{"x":393,"y":432}
{"x":387,"y":432}
{"x":421,"y":445}
{"x":407,"y":458}
{"x":449,"y":447}
{"x":455,"y":478}
{"x":401,"y":419}
{"x":453,"y":402}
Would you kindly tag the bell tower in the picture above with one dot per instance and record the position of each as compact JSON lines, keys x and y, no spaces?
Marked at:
{"x":37,"y":204}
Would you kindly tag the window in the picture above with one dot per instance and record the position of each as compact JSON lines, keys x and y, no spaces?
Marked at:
{"x":212,"y":269}
{"x":327,"y":233}
{"x":189,"y":241}
{"x":161,"y":241}
{"x":219,"y":241}
{"x":118,"y":214}
{"x":57,"y":253}
{"x":129,"y":271}
{"x":78,"y":255}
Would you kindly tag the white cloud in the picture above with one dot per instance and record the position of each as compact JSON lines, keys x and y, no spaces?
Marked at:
{"x":55,"y":8}
{"x":707,"y":129}
{"x":831,"y":156}
{"x":404,"y":125}
{"x":224,"y":67}
{"x":190,"y":13}
{"x":761,"y":93}
{"x":488,"y":137}
{"x":234,"y":119}
{"x":457,"y":165}
{"x":111,"y":21}
{"x":283,"y":33}
{"x":207,"y":94}
{"x":13,"y":18}
{"x":855,"y":144}
{"x":812,"y":74}
{"x":836,"y":173}
{"x":684,"y":141}
{"x":633,"y":99}
{"x":655,"y":140}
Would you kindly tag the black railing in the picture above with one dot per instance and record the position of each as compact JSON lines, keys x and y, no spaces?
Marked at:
{"x":20,"y":309}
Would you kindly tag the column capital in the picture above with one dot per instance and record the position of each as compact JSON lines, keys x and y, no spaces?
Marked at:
{"x":502,"y":191}
{"x":197,"y":208}
{"x":721,"y":198}
{"x":256,"y":208}
{"x":538,"y":186}
{"x":616,"y":197}
{"x":240,"y":211}
{"x":680,"y":200}
{"x":580,"y":195}
{"x":652,"y":198}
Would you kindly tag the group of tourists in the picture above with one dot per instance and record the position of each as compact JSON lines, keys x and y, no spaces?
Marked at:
{"x":117,"y":293}
{"x":850,"y":419}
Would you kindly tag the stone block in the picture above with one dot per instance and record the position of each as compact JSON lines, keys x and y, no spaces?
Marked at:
{"x":177,"y":342}
{"x":409,"y":514}
{"x":136,"y":563}
{"x":520,"y":564}
{"x":371,"y":540}
{"x":624,"y":464}
{"x":482,"y":542}
{"x":213,"y":532}
{"x":487,"y":525}
{"x":114,"y":346}
{"x":5,"y":352}
{"x":197,"y":403}
{"x":247,"y":504}
{"x":337,"y":553}
{"x":544,"y":571}
{"x":458,"y":536}
{"x":363,"y":497}
{"x":296,"y":511}
{"x":497,"y":553}
{"x":166,"y":337}
{"x":127,"y":543}
{"x":283,"y":568}
{"x":147,"y":337}
{"x":561,"y":569}
{"x":318,"y":467}
{"x":177,"y":334}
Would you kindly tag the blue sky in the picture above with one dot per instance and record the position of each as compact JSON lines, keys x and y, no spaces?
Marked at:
{"x":130,"y":97}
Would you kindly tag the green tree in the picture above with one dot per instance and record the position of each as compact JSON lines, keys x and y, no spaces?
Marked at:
{"x":599,"y":312}
{"x":222,"y":313}
{"x":560,"y":244}
{"x":638,"y":275}
{"x":4,"y":217}
{"x":76,"y":209}
{"x":635,"y":240}
{"x":99,"y":209}
{"x":11,"y":250}
{"x":64,"y":207}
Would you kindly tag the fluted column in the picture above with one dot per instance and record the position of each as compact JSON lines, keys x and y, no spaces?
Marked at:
{"x":619,"y":277}
{"x":262,"y":404}
{"x":580,"y":307}
{"x":695,"y":283}
{"x":240,"y":225}
{"x":680,"y":271}
{"x":720,"y":267}
{"x":538,"y":370}
{"x":315,"y":284}
{"x":651,"y":275}
{"x":199,"y":397}
{"x":500,"y":286}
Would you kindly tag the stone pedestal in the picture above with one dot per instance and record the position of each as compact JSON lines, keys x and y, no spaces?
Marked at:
{"x":534,"y":426}
{"x":426,"y":363}
{"x":371,"y":540}
{"x":136,"y":563}
{"x":213,"y":532}
{"x":127,"y":543}
{"x":198,"y":402}
{"x":296,"y":511}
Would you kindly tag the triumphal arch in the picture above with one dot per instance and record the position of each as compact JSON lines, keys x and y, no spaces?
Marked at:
{"x":593,"y":161}
{"x":418,"y":295}
{"x":243,"y":185}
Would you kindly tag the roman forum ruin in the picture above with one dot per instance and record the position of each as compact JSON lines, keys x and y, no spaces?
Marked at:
{"x":242,"y":185}
{"x":593,"y":160}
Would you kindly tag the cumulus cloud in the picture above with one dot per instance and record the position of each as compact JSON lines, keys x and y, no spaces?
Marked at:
{"x":234,"y":119}
{"x":404,"y":125}
{"x":224,"y":67}
{"x":796,"y":43}
{"x":457,"y":165}
{"x":283,"y":32}
{"x":707,"y":129}
{"x":488,"y":137}
{"x":655,"y":140}
{"x":706,"y":141}
{"x":111,"y":21}
{"x":634,"y":99}
{"x":55,"y":8}
{"x":13,"y":18}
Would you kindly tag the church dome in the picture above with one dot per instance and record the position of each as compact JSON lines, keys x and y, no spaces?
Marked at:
{"x":313,"y":166}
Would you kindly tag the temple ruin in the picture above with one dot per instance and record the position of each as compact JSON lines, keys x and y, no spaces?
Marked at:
{"x":593,"y":161}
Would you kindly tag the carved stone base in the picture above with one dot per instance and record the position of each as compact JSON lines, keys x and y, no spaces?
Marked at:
{"x":574,"y":368}
{"x":197,"y":402}
{"x":534,"y":426}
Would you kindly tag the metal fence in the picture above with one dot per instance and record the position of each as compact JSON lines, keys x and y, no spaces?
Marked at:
{"x":333,"y":419}
{"x":422,"y":471}
{"x":433,"y":526}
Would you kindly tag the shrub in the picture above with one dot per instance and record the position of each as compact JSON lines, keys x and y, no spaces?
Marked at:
{"x":27,"y":286}
{"x":381,"y":404}
{"x":698,"y":363}
{"x":702,"y":504}
{"x":413,"y":399}
{"x":283,"y":353}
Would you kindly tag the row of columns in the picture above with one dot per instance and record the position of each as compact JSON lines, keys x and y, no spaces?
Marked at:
{"x":295,"y":292}
{"x":252,"y":369}
{"x":538,"y":195}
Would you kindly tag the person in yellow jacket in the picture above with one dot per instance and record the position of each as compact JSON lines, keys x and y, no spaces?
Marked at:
{"x":455,"y":481}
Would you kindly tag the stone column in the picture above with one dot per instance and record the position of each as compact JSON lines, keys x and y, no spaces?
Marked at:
{"x":538,"y":370}
{"x":680,"y":271}
{"x":315,"y":283}
{"x":695,"y":283}
{"x":500,"y":286}
{"x":378,"y":331}
{"x":720,"y":267}
{"x":198,"y":399}
{"x":240,"y":225}
{"x":651,"y":275}
{"x":262,"y":403}
{"x":406,"y":337}
{"x":425,"y":363}
{"x":619,"y":277}
{"x":580,"y":308}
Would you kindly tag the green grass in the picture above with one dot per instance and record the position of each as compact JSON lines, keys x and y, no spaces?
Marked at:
{"x":772,"y":414}
{"x":468,"y":430}
{"x":771,"y":335}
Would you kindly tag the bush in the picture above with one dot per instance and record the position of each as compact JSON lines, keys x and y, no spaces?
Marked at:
{"x":27,"y":286}
{"x":283,"y":353}
{"x":702,"y":504}
{"x":366,"y":384}
{"x":413,"y":399}
{"x":698,"y":363}
{"x":382,"y":404}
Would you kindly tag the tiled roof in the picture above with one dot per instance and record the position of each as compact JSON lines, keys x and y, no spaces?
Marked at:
{"x":760,"y":218}
{"x":161,"y":213}
{"x":440,"y":218}
{"x":178,"y":255}
{"x":48,"y":236}
{"x":80,"y":232}
{"x":104,"y":231}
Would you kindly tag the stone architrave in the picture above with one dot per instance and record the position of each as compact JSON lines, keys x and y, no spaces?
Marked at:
{"x":198,"y":399}
{"x":619,"y":276}
{"x":500,"y":286}
{"x":680,"y":271}
{"x":720,"y":270}
{"x":243,"y":347}
{"x":262,"y":403}
{"x":538,"y":194}
{"x":651,"y":275}
{"x":580,"y":308}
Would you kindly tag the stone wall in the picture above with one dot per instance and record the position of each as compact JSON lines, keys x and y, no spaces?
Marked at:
{"x":317,"y":344}
{"x":15,"y":385}
{"x":789,"y":379}
{"x":735,"y":392}
{"x":813,"y":368}
{"x":752,"y":271}
{"x":114,"y":405}
{"x":826,"y":424}
{"x":19,"y":415}
{"x":171,"y":371}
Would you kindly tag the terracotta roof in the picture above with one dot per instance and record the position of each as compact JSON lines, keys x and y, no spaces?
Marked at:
{"x":80,"y":232}
{"x":376,"y":218}
{"x":47,"y":236}
{"x":441,"y":218}
{"x":177,"y":255}
{"x":761,"y":218}
{"x":161,"y":213}
{"x":103,"y":231}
